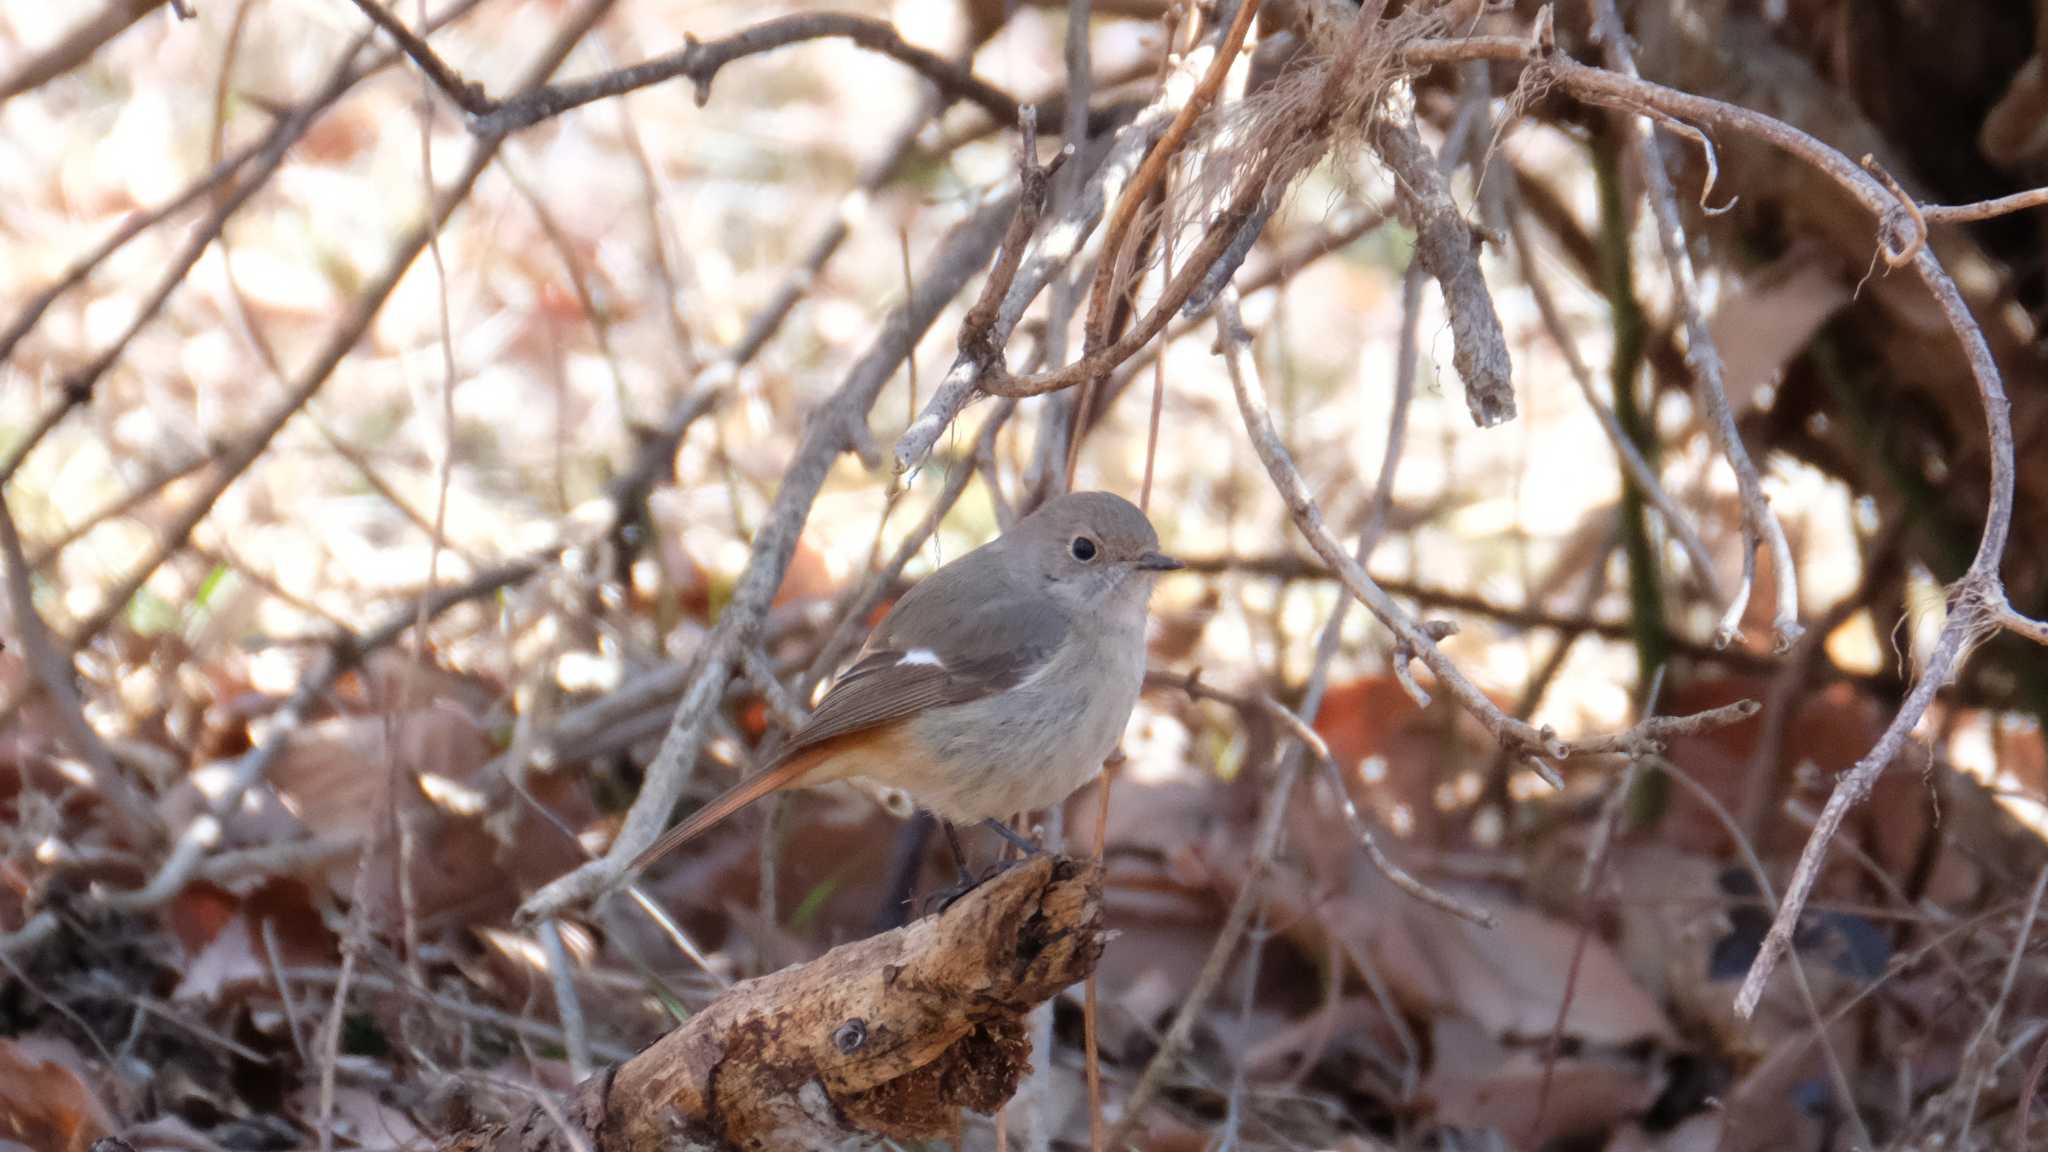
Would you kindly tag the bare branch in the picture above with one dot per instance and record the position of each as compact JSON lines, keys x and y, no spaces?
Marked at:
{"x":1524,"y":738}
{"x":1632,"y":461}
{"x":699,"y":61}
{"x":1984,"y":209}
{"x":76,"y":46}
{"x":132,"y":815}
{"x":1760,"y":526}
{"x":893,"y":1035}
{"x":468,"y":95}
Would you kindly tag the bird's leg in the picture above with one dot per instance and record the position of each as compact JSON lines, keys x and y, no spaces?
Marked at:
{"x":968,"y":881}
{"x":1000,"y":828}
{"x":959,"y":857}
{"x":906,"y":864}
{"x":944,"y":897}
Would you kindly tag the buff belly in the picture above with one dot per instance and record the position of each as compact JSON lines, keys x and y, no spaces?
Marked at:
{"x":1026,"y":749}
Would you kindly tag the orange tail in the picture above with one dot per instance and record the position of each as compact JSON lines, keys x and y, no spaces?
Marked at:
{"x":728,"y":802}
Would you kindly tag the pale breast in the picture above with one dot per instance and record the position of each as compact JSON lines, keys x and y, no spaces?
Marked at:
{"x":1033,"y":746}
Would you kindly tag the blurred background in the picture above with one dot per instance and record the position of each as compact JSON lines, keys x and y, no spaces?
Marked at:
{"x":377,"y":487}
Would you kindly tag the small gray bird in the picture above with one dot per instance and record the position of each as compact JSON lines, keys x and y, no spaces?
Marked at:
{"x":997,"y":685}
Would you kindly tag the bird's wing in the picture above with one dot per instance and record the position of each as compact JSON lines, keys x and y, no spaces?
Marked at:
{"x":950,"y":640}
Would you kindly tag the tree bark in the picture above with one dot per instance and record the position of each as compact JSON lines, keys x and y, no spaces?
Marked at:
{"x":892,"y":1036}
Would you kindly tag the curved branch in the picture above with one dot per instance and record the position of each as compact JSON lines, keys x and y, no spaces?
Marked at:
{"x":698,"y":61}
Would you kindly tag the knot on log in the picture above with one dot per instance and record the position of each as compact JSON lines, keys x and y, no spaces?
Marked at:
{"x":893,"y":1036}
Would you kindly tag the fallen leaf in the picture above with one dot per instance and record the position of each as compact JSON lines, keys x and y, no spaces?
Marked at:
{"x":1475,"y":1083}
{"x":1768,"y":321}
{"x":1702,"y":1133}
{"x":232,"y":959}
{"x":335,"y":776}
{"x":46,"y":1101}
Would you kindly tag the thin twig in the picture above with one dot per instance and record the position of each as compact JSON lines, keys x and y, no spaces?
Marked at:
{"x":1111,"y":263}
{"x":467,"y":95}
{"x":1057,"y":243}
{"x":698,"y":61}
{"x":1646,"y":481}
{"x":1524,"y":738}
{"x":1975,"y":1058}
{"x":1984,"y":209}
{"x":562,"y":975}
{"x":134,"y":225}
{"x":133,"y":817}
{"x":1760,"y":525}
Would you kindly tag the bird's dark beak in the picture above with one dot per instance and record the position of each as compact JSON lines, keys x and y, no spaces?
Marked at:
{"x":1158,"y":562}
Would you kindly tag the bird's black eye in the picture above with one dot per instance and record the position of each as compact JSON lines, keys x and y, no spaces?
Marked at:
{"x":1083,"y":549}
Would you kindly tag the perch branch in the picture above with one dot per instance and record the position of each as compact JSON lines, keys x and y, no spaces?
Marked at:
{"x":891,"y":1037}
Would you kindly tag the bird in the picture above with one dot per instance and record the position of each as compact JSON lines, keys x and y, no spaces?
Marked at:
{"x":998,"y":684}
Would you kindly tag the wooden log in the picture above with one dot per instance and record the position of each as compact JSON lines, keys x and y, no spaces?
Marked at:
{"x":893,"y":1036}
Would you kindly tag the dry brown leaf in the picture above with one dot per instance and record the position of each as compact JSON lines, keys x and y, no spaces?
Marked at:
{"x":1509,"y":978}
{"x":1769,"y":320}
{"x":46,"y":1100}
{"x":1475,"y":1083}
{"x":335,"y":777}
{"x":225,"y":951}
{"x":362,"y":1118}
{"x":1702,"y":1133}
{"x":809,"y":577}
{"x":1831,"y":730}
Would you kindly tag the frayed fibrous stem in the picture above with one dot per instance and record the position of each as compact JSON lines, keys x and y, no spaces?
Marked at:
{"x":1444,"y":244}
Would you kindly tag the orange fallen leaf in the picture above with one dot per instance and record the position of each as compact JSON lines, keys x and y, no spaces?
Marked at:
{"x":46,"y":1102}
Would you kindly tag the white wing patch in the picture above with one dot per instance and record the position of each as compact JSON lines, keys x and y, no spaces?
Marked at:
{"x":918,"y":656}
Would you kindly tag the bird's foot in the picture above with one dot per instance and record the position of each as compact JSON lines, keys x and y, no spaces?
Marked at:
{"x":945,"y":898}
